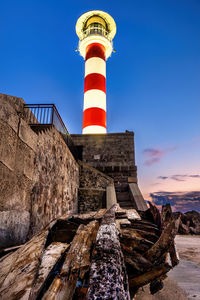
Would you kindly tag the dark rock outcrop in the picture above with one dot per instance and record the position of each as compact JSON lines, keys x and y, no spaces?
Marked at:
{"x":190,"y":222}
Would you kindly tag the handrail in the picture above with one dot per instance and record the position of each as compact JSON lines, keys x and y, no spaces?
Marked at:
{"x":47,"y":114}
{"x":110,"y":196}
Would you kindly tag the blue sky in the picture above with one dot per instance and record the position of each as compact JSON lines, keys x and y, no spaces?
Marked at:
{"x":153,"y":79}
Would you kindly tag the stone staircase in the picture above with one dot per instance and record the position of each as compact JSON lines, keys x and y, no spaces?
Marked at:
{"x":123,"y":197}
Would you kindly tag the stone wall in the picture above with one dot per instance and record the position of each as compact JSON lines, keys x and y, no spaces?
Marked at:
{"x":112,"y":154}
{"x":56,"y":180}
{"x":38,"y":175}
{"x":17,"y":150}
{"x":92,"y":190}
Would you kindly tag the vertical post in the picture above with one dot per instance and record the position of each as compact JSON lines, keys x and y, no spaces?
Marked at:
{"x":52,"y":115}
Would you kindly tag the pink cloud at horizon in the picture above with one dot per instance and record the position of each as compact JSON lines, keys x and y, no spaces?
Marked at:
{"x":153,"y":155}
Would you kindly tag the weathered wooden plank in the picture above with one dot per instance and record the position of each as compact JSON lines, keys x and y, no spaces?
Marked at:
{"x":100,"y":214}
{"x":49,"y":258}
{"x":149,"y":276}
{"x":146,"y":227}
{"x":120,"y":222}
{"x":164,"y":242}
{"x":138,"y":262}
{"x":18,"y":269}
{"x":132,"y":214}
{"x":108,"y":278}
{"x":76,"y":264}
{"x":131,"y":242}
{"x":141,"y":233}
{"x":174,"y":257}
{"x":155,"y":214}
{"x":144,"y":223}
{"x":166,"y":215}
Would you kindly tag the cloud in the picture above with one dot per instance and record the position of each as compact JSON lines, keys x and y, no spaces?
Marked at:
{"x":153,"y":155}
{"x":180,"y":201}
{"x":179,"y":177}
{"x":163,"y":177}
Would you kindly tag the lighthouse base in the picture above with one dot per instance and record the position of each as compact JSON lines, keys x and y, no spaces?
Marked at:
{"x":112,"y":154}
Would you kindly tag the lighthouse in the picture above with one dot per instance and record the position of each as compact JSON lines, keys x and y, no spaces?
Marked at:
{"x":96,"y":30}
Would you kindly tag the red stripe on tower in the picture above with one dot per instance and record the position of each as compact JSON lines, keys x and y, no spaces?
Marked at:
{"x":94,"y":116}
{"x":95,"y":50}
{"x":95,"y":81}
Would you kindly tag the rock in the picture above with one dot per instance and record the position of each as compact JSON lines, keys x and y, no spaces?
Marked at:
{"x":194,"y":218}
{"x":183,"y":229}
{"x":190,"y":222}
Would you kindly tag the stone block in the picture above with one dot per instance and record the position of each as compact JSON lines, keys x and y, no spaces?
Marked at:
{"x":16,"y":102}
{"x":24,"y":159}
{"x":8,"y":144}
{"x":8,"y":114}
{"x":92,"y":178}
{"x":132,"y":179}
{"x":27,"y":135}
{"x":91,"y":199}
{"x":14,"y":190}
{"x":29,"y":163}
{"x":14,"y":226}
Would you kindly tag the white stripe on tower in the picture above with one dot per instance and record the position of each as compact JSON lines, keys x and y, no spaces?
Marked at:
{"x":94,"y":129}
{"x":94,"y":110}
{"x":94,"y":98}
{"x":96,"y":64}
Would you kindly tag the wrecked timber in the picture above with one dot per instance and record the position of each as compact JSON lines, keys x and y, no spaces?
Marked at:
{"x":106,"y":254}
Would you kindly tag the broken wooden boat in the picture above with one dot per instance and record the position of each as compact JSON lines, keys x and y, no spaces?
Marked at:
{"x":108,"y":254}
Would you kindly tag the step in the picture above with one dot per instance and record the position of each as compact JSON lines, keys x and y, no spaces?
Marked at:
{"x":126,"y":206}
{"x":121,"y":188}
{"x":127,"y":203}
{"x":123,"y":197}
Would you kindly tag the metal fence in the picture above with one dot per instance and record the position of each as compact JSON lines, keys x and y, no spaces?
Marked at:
{"x":47,"y":114}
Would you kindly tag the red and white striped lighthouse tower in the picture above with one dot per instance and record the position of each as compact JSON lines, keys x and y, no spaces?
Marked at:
{"x":96,"y":30}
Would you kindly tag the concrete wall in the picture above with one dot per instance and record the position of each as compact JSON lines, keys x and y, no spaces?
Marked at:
{"x":92,"y":190}
{"x":112,"y":154}
{"x":38,"y":175}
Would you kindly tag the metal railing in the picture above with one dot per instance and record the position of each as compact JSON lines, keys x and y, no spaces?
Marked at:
{"x":47,"y":114}
{"x":96,"y":29}
{"x":39,"y":113}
